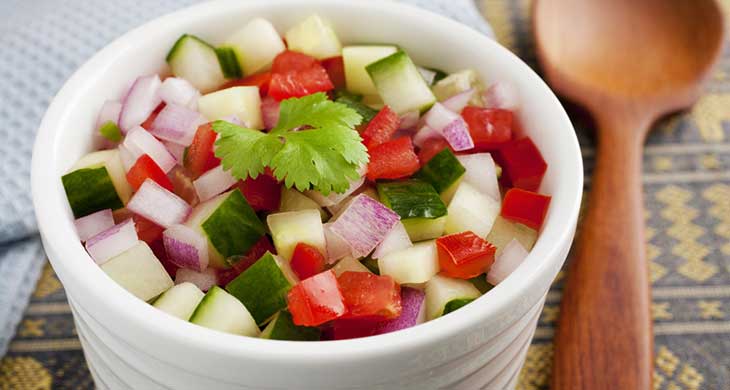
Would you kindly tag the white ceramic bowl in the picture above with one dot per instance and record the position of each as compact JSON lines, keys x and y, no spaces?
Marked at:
{"x":129,"y":344}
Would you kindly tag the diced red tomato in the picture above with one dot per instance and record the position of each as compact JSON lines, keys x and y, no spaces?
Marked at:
{"x":380,"y":128}
{"x":146,"y":168}
{"x":316,"y":300}
{"x":526,"y":207}
{"x":147,"y":124}
{"x":522,"y":164}
{"x":260,"y":80}
{"x":199,"y":157}
{"x":464,"y":255}
{"x":306,"y":261}
{"x":291,"y":61}
{"x":147,"y":230}
{"x":258,"y":249}
{"x":263,"y":193}
{"x":335,"y":68}
{"x":370,"y":295}
{"x":393,"y":160}
{"x":489,"y":127}
{"x":299,"y":83}
{"x":430,"y":148}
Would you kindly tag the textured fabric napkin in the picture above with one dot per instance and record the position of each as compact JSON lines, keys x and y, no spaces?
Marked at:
{"x":42,"y":42}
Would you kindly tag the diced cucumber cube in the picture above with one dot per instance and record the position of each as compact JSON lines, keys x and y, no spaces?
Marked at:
{"x":110,"y":131}
{"x":229,"y":223}
{"x":373,"y":101}
{"x":255,"y":44}
{"x":290,"y":228}
{"x":503,"y":231}
{"x":399,"y":83}
{"x":315,"y":37}
{"x":229,"y":63}
{"x":139,"y":272}
{"x":416,"y":264}
{"x":262,"y":288}
{"x":354,"y":102}
{"x":441,"y":290}
{"x":480,"y":282}
{"x":349,"y":263}
{"x":459,"y":82}
{"x":243,"y":102}
{"x":195,"y":60}
{"x":355,"y":59}
{"x":282,"y":327}
{"x":180,"y":300}
{"x":418,"y":204}
{"x":96,"y":182}
{"x":443,"y":171}
{"x":221,"y":311}
{"x":471,"y":210}
{"x":456,"y":304}
{"x":293,"y":200}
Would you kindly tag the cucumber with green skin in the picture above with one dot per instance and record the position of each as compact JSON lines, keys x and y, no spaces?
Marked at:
{"x":420,"y":207}
{"x":291,"y":228}
{"x":442,"y":291}
{"x":293,"y":200}
{"x":221,"y":311}
{"x":480,"y":282}
{"x":443,"y":171}
{"x":456,"y":304}
{"x":139,"y":272}
{"x":355,"y":59}
{"x":195,"y":60}
{"x":263,"y":287}
{"x":282,"y":327}
{"x":229,"y":62}
{"x":400,"y":84}
{"x":420,"y":229}
{"x":110,"y":131}
{"x":90,"y":190}
{"x":180,"y":300}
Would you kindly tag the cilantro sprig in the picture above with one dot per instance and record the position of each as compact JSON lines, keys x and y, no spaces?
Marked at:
{"x":314,"y":145}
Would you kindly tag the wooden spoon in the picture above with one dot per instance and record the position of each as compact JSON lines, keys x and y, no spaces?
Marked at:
{"x":628,"y":62}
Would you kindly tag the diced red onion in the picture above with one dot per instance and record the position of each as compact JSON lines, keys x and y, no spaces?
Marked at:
{"x":512,"y":256}
{"x":204,"y":280}
{"x":186,"y":248}
{"x":127,"y":157}
{"x":481,"y":173}
{"x":112,"y":242}
{"x":334,"y":198}
{"x":396,"y":239}
{"x":179,"y":91}
{"x":141,"y":100}
{"x":177,"y":124}
{"x":158,"y":204}
{"x":458,"y":136}
{"x":139,"y":141}
{"x":337,"y":248}
{"x":364,"y":224}
{"x":93,"y":224}
{"x":457,"y":102}
{"x":409,"y":120}
{"x":213,"y":182}
{"x":413,"y":313}
{"x":501,"y":95}
{"x":425,"y":133}
{"x":109,"y":113}
{"x":439,"y":117}
{"x":176,"y":150}
{"x":270,"y":112}
{"x":450,"y":125}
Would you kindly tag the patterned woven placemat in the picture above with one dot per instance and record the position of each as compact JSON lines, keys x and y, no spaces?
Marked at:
{"x":687,"y":186}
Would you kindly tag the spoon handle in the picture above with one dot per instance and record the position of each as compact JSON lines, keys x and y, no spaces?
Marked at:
{"x":604,"y":338}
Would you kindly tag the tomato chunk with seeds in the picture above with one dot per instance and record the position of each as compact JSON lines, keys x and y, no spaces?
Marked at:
{"x":335,"y":68}
{"x":241,"y":263}
{"x":522,"y":164}
{"x":146,"y":168}
{"x":147,"y":230}
{"x":263,"y":193}
{"x":464,"y":255}
{"x":307,"y":261}
{"x":316,"y":300}
{"x":430,"y":148}
{"x":295,"y":75}
{"x":199,"y":157}
{"x":290,"y":61}
{"x":526,"y":207}
{"x":393,"y":160}
{"x":489,"y":127}
{"x":381,"y":128}
{"x":260,"y":80}
{"x":370,"y":295}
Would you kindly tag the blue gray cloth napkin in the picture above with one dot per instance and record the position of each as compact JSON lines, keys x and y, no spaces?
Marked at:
{"x":41,"y":43}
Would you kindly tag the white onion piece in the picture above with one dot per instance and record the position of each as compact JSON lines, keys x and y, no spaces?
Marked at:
{"x":213,"y":182}
{"x":179,"y":91}
{"x":176,"y":150}
{"x":481,"y":173}
{"x":439,"y":117}
{"x":427,"y":74}
{"x":364,"y":224}
{"x":112,"y":242}
{"x":139,"y":141}
{"x":204,"y":280}
{"x":457,"y":102}
{"x":337,"y":248}
{"x":109,"y":113}
{"x":334,"y":198}
{"x":176,"y":123}
{"x":140,"y":102}
{"x":270,"y":112}
{"x":185,"y":247}
{"x":396,"y":239}
{"x":93,"y":224}
{"x":158,"y":204}
{"x":127,"y":157}
{"x":424,"y":134}
{"x":409,"y":120}
{"x":512,"y":256}
{"x":501,"y":95}
{"x":458,"y":136}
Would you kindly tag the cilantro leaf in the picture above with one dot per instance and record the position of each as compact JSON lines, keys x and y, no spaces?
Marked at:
{"x":314,"y":145}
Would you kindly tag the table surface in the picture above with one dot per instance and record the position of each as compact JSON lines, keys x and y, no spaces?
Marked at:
{"x":687,"y":200}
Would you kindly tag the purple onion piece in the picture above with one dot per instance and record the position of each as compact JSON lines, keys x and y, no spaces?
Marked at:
{"x":412,"y":302}
{"x":204,"y":280}
{"x":139,"y":141}
{"x":185,"y":247}
{"x":457,"y":102}
{"x":109,"y":112}
{"x":364,"y":224}
{"x":177,"y":124}
{"x":457,"y":135}
{"x":179,"y":91}
{"x":158,"y":205}
{"x":93,"y":224}
{"x":270,"y":112}
{"x":112,"y":242}
{"x":141,"y":100}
